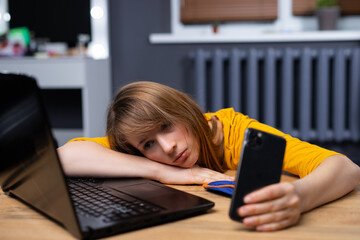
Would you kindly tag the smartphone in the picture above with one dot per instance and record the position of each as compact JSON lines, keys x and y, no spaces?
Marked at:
{"x":260,"y":165}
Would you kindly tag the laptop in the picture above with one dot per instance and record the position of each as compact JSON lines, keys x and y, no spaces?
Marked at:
{"x":88,"y":208}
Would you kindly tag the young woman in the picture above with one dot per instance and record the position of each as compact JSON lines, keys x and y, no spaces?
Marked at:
{"x":156,"y":132}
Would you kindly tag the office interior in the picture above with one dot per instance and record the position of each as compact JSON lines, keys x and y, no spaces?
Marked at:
{"x":117,"y":42}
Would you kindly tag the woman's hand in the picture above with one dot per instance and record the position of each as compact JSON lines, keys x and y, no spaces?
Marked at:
{"x":193,"y":175}
{"x":279,"y":205}
{"x":272,"y":208}
{"x":199,"y":175}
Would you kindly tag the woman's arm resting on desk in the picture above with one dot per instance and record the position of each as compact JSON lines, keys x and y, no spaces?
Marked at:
{"x":280,"y":205}
{"x":86,"y":158}
{"x":333,"y":178}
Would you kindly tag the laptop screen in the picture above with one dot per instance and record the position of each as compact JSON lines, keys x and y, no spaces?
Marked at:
{"x":29,"y":166}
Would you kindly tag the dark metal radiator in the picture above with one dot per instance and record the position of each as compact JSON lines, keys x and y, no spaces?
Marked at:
{"x":309,"y":93}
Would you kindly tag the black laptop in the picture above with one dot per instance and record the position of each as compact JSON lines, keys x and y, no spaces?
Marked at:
{"x":87,"y":207}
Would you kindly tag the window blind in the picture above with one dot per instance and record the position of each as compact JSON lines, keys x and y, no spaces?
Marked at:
{"x":204,"y":11}
{"x":307,"y":7}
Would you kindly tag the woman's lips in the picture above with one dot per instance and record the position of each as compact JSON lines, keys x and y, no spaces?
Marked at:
{"x":181,"y":157}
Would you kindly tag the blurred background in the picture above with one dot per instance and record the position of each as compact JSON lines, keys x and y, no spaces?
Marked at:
{"x":292,"y":64}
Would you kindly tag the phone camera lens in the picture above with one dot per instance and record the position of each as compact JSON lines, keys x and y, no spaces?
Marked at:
{"x":258,"y":141}
{"x":255,"y":140}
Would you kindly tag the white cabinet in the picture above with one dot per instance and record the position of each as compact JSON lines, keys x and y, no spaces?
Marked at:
{"x":91,"y":77}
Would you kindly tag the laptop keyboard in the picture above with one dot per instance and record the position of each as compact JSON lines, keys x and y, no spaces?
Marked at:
{"x":95,"y":201}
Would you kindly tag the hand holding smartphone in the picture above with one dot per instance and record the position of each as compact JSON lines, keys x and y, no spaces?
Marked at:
{"x":260,"y":165}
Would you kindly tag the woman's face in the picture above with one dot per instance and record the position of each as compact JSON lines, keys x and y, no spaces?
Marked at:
{"x":168,"y":144}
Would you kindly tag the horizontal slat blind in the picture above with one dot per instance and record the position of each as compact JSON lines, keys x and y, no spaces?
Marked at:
{"x":350,"y":7}
{"x":307,"y":7}
{"x":201,"y":11}
{"x":303,"y":7}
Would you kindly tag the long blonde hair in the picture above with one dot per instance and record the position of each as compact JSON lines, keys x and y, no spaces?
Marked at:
{"x":140,"y":107}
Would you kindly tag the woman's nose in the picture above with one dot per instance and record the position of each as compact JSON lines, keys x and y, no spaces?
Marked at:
{"x":166,"y":143}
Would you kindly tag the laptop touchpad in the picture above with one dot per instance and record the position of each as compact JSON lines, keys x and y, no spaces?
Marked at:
{"x":164,"y":197}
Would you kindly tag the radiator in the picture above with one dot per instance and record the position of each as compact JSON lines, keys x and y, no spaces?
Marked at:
{"x":309,"y":93}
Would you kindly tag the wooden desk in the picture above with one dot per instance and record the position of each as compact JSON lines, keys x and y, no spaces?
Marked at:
{"x":339,"y":220}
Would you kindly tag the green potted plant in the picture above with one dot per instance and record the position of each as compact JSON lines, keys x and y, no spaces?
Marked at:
{"x":215,"y":26}
{"x":327,"y":13}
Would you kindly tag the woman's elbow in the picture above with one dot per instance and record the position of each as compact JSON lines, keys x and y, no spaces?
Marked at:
{"x":353,"y":172}
{"x":356,"y":174}
{"x":67,"y":156}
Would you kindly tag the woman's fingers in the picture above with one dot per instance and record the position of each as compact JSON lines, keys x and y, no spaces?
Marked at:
{"x":205,"y":175}
{"x":266,"y":218}
{"x":272,"y":208}
{"x":269,"y":192}
{"x":275,"y":225}
{"x":291,"y":215}
{"x":285,"y":202}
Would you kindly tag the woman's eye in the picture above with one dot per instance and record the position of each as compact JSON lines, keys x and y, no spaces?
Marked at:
{"x":148,"y":145}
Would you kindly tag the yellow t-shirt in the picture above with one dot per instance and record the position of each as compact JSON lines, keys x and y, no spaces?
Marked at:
{"x":301,"y":158}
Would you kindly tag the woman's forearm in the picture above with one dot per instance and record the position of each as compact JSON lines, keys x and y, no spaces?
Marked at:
{"x":333,"y":178}
{"x":86,"y":158}
{"x":90,"y":159}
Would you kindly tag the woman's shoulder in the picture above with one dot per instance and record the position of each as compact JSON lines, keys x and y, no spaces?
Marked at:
{"x":220,"y":113}
{"x":100,"y":140}
{"x":224,"y":114}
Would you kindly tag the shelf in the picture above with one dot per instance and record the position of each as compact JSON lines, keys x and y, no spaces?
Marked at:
{"x":50,"y":72}
{"x":314,"y":36}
